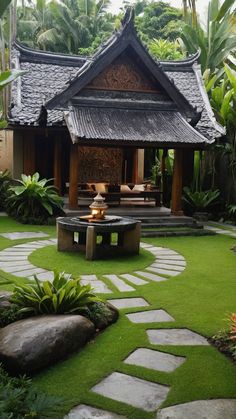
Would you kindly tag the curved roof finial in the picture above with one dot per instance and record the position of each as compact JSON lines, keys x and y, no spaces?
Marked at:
{"x":128,"y":17}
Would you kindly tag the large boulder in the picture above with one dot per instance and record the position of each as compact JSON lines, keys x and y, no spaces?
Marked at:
{"x":29,"y":345}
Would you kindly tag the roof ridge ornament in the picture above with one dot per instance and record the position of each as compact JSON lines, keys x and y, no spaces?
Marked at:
{"x":128,"y":18}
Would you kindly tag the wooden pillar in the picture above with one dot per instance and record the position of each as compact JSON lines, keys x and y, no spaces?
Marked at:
{"x":176,"y":206}
{"x":29,"y":155}
{"x":73,"y":180}
{"x":57,"y":166}
{"x":138,"y":166}
{"x":135,"y":166}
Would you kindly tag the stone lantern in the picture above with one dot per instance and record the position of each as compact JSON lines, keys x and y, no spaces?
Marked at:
{"x":98,"y":208}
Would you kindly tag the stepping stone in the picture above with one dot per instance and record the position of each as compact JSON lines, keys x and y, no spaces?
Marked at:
{"x":29,"y":272}
{"x":26,"y":247}
{"x":128,"y":302}
{"x":166,"y":266}
{"x":145,"y":245}
{"x":44,"y":276}
{"x":11,"y":258}
{"x":98,"y":285}
{"x":175,"y":337}
{"x":14,"y":269}
{"x":17,"y":263}
{"x":201,"y":409}
{"x":151,"y":277}
{"x":133,"y":279}
{"x":88,"y":412}
{"x":163,"y":271}
{"x":171,"y":257}
{"x":23,"y":235}
{"x":15,"y":253}
{"x":154,"y":360}
{"x":150,"y":316}
{"x":134,"y":391}
{"x":45,"y":242}
{"x":119,"y":284}
{"x":171,"y":262}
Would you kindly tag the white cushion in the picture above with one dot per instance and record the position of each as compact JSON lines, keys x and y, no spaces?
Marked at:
{"x":138,"y":188}
{"x":125,"y":188}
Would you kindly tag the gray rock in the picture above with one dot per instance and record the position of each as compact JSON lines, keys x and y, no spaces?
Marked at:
{"x":31,"y":344}
{"x":4,"y":300}
{"x":201,"y":409}
{"x":88,"y":412}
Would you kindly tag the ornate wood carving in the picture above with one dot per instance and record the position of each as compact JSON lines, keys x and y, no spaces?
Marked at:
{"x":97,"y":164}
{"x":123,"y":75}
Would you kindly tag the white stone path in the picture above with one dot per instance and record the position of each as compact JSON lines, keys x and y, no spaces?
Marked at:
{"x":125,"y":388}
{"x":14,"y":260}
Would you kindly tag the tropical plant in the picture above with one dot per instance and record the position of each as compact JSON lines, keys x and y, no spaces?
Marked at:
{"x":19,"y":400}
{"x":64,"y":295}
{"x":200,"y":200}
{"x":33,"y":200}
{"x":165,"y":50}
{"x":9,"y":315}
{"x":223,"y":101}
{"x":218,"y":41}
{"x":64,"y":26}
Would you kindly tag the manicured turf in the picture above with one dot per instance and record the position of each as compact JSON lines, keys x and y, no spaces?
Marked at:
{"x":200,"y":299}
{"x":48,"y":257}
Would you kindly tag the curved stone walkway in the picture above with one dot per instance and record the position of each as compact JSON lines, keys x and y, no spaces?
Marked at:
{"x":118,"y":386}
{"x":14,"y":260}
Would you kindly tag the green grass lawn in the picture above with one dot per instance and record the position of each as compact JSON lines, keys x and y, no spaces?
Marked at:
{"x":201,"y":298}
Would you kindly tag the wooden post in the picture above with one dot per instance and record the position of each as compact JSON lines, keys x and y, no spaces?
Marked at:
{"x":135,"y":167}
{"x":73,"y":180}
{"x":57,"y":167}
{"x":176,"y":207}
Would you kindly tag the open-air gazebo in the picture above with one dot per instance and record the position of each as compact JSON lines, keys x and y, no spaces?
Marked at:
{"x":89,"y":119}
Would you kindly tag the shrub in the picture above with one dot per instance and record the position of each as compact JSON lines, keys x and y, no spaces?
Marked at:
{"x":63,"y":295}
{"x":99,"y":314}
{"x":18,"y":400}
{"x":10,"y":315}
{"x":200,"y":200}
{"x":33,"y":200}
{"x":226,"y":340}
{"x":5,"y":179}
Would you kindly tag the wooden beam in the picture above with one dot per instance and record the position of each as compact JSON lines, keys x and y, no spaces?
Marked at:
{"x":57,"y":166}
{"x":176,"y":206}
{"x":73,"y":180}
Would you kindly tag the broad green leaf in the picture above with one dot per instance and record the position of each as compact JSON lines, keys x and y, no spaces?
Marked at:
{"x":3,"y":6}
{"x":226,"y":6}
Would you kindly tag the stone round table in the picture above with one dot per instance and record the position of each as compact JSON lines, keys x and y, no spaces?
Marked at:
{"x":94,"y":238}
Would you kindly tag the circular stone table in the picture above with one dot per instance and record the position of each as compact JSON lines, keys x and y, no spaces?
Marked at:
{"x":74,"y":235}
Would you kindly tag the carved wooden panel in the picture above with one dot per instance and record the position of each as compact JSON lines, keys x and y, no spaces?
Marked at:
{"x":124,"y":75}
{"x":97,"y":164}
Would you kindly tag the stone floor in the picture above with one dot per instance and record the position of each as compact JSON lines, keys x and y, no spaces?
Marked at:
{"x":125,"y":388}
